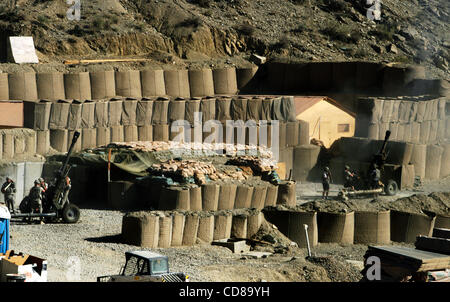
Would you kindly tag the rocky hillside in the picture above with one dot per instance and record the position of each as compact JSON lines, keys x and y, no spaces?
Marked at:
{"x":205,"y":32}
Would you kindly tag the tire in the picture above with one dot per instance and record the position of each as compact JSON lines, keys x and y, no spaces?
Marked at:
{"x":70,"y":213}
{"x":391,"y":188}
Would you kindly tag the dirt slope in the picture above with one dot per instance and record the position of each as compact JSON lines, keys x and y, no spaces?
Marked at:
{"x":206,"y":32}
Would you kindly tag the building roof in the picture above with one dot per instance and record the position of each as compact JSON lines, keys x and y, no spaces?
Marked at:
{"x":303,"y":103}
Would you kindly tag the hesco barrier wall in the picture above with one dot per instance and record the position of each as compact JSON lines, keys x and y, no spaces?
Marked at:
{"x":176,"y":228}
{"x":372,"y":227}
{"x":405,"y":227}
{"x":442,"y":222}
{"x":336,"y":227}
{"x":291,"y":224}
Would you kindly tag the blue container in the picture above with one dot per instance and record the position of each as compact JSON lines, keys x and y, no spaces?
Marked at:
{"x":5,"y":216}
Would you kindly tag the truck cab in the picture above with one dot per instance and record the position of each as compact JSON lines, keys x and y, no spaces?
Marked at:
{"x":145,"y":266}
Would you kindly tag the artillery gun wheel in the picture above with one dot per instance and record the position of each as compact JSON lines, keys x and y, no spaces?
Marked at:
{"x":70,"y":213}
{"x":391,"y":188}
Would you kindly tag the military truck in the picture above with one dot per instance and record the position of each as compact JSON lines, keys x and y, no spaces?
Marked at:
{"x":145,"y":266}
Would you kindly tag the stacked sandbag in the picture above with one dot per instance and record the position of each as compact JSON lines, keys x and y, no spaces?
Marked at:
{"x":128,"y":83}
{"x":336,"y":227}
{"x":223,"y":109}
{"x":405,"y":227}
{"x":103,"y":84}
{"x":239,"y":226}
{"x":192,"y":110}
{"x":259,"y":197}
{"x":225,"y":81}
{"x":50,"y":86}
{"x":77,"y":86}
{"x":205,"y":231}
{"x":178,"y":222}
{"x":201,"y":82}
{"x":195,"y":198}
{"x":22,"y":86}
{"x":160,"y":111}
{"x":152,"y":82}
{"x":372,"y":227}
{"x":254,"y":109}
{"x":89,"y":132}
{"x":287,"y":108}
{"x":244,"y":195}
{"x":271,"y":196}
{"x":239,"y":108}
{"x":144,"y":113}
{"x":165,"y":231}
{"x":191,"y":229}
{"x":177,"y":83}
{"x":227,"y":196}
{"x":210,"y":197}
{"x":254,"y":222}
{"x":223,"y":221}
{"x":115,"y":108}
{"x":208,"y":108}
{"x":37,"y":114}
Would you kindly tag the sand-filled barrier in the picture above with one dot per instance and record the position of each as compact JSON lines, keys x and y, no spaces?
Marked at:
{"x":141,"y":229}
{"x":128,"y":83}
{"x":22,"y":86}
{"x":77,"y":86}
{"x":160,"y":113}
{"x":50,"y":86}
{"x":116,"y":133}
{"x":37,"y":114}
{"x":103,"y":84}
{"x":246,"y":80}
{"x":59,"y":114}
{"x":144,"y":112}
{"x":206,"y":228}
{"x":287,"y":193}
{"x":165,"y":231}
{"x":225,"y":81}
{"x":4,"y":88}
{"x":305,"y":158}
{"x":177,"y":83}
{"x":433,"y":162}
{"x":405,"y":227}
{"x":445,"y":161}
{"x":244,"y":195}
{"x":372,"y":227}
{"x":336,"y":227}
{"x":201,"y":82}
{"x":239,"y":226}
{"x":152,"y":82}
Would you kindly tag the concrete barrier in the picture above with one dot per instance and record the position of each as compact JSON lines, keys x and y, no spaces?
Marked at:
{"x":372,"y":227}
{"x":103,"y":84}
{"x":225,"y":81}
{"x":405,"y":227}
{"x":128,"y":83}
{"x":177,"y":83}
{"x":22,"y":86}
{"x":336,"y":227}
{"x":77,"y":86}
{"x":152,"y":82}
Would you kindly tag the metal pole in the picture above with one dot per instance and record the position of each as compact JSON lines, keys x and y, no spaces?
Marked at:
{"x":109,"y":165}
{"x":307,"y":239}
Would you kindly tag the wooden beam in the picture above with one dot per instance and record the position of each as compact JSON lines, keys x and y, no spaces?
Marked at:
{"x":76,"y":62}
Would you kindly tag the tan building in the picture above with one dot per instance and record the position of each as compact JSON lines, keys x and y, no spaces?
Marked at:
{"x":328,"y":121}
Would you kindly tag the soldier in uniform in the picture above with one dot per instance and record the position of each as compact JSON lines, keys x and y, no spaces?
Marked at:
{"x":326,"y":180}
{"x":9,"y":190}
{"x":349,"y":178}
{"x":36,"y":195}
{"x":374,"y":177}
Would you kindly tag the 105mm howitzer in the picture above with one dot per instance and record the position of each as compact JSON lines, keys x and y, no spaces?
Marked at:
{"x":55,"y":203}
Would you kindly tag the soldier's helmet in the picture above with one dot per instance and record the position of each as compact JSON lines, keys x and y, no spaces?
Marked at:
{"x":7,"y":178}
{"x":40,"y":179}
{"x":37,"y":182}
{"x":327,"y":169}
{"x":347,"y":167}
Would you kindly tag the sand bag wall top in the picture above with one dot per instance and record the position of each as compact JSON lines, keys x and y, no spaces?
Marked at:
{"x":152,"y":82}
{"x":103,"y":84}
{"x":372,"y":227}
{"x":177,"y":83}
{"x":77,"y":86}
{"x":144,"y":112}
{"x":22,"y":86}
{"x":336,"y":227}
{"x":4,"y":88}
{"x":405,"y":227}
{"x":75,"y":112}
{"x":37,"y":114}
{"x":50,"y":86}
{"x":225,"y":81}
{"x":201,"y":82}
